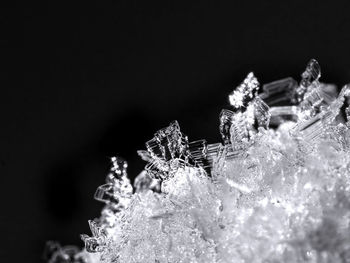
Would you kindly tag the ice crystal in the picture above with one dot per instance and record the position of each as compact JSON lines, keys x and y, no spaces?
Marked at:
{"x":279,"y":91}
{"x":276,"y":189}
{"x":244,"y":92}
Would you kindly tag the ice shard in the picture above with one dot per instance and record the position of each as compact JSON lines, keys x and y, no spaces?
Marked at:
{"x":281,"y":114}
{"x":311,"y":75}
{"x":225,"y":124}
{"x":198,"y":151}
{"x":261,"y":112}
{"x":279,"y":92}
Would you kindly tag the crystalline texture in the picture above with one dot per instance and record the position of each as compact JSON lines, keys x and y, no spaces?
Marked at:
{"x":244,"y":92}
{"x":347,"y":114}
{"x":312,"y":128}
{"x":237,"y":127}
{"x":225,"y":124}
{"x":118,"y":190}
{"x":261,"y":112}
{"x":106,"y":193}
{"x":198,"y":151}
{"x":279,"y":92}
{"x":180,"y":152}
{"x":280,"y":114}
{"x":312,"y":101}
{"x":311,"y":74}
{"x":155,"y":149}
{"x":97,"y":242}
{"x":239,"y":130}
{"x":344,"y":99}
{"x":157,"y":169}
{"x":167,"y":144}
{"x":212,"y":153}
{"x":170,"y":141}
{"x":278,"y":193}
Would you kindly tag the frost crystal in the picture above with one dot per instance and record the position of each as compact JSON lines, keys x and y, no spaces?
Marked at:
{"x":244,"y":92}
{"x":276,"y":189}
{"x":279,"y":91}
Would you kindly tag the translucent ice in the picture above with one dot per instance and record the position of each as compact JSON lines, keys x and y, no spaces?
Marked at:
{"x":225,"y":124}
{"x":105,"y":193}
{"x":280,"y":114}
{"x":311,"y":75}
{"x":261,"y":112}
{"x":167,"y":143}
{"x":198,"y":151}
{"x":279,"y":92}
{"x":97,"y":242}
{"x":239,"y":130}
{"x":276,"y":190}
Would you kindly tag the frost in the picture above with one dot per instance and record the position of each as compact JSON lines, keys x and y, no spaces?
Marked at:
{"x":244,"y":92}
{"x":276,"y":189}
{"x":279,"y":91}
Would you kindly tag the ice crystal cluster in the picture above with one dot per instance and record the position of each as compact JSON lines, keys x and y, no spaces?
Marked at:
{"x":276,"y":189}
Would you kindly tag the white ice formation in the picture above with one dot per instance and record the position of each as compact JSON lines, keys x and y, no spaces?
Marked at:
{"x":277,"y":189}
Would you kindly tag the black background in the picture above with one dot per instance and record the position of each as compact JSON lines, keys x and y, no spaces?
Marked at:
{"x":83,"y":82}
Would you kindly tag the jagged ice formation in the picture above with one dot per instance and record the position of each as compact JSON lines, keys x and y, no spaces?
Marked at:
{"x":276,"y":189}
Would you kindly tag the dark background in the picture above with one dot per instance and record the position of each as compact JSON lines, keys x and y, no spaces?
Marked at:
{"x":84,"y":82}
